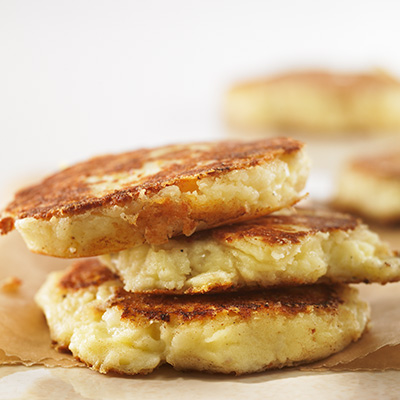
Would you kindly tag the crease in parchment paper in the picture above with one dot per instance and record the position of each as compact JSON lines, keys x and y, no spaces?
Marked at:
{"x":25,"y":338}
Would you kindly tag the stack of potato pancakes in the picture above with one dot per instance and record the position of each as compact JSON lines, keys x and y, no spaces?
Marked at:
{"x":205,"y":263}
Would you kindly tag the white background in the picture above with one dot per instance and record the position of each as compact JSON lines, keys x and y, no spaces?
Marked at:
{"x":80,"y":77}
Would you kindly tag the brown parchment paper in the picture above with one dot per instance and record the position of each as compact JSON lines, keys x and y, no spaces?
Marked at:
{"x":24,"y":336}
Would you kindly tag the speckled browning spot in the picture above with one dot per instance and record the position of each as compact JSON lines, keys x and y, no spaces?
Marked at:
{"x":118,"y":179}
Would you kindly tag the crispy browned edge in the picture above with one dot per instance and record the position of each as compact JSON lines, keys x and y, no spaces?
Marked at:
{"x":149,"y":307}
{"x":283,"y":229}
{"x":86,"y":273}
{"x":64,"y":194}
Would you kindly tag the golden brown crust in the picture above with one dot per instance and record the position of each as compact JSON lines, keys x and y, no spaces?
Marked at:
{"x":289,"y":301}
{"x":86,"y":273}
{"x":283,"y":229}
{"x":70,"y":192}
{"x":136,"y":306}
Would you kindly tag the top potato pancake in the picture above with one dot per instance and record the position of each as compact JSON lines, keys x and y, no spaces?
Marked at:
{"x":114,"y":202}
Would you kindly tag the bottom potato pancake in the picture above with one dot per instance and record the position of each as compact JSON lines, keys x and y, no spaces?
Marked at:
{"x":110,"y":329}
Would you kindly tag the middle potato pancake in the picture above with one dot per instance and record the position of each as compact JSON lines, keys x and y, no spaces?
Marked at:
{"x":295,"y":247}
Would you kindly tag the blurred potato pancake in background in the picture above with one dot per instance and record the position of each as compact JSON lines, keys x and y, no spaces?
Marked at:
{"x":370,"y":186}
{"x":319,"y":102}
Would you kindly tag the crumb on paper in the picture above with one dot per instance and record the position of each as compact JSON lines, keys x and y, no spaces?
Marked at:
{"x":10,"y":284}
